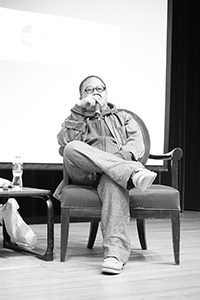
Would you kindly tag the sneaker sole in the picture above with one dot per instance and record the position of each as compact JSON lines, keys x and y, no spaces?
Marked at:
{"x":111,"y":271}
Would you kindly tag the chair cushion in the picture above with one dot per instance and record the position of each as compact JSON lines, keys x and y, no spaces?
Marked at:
{"x":157,"y":197}
{"x":74,"y":196}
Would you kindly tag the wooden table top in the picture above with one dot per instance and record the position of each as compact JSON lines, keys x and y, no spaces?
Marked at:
{"x":25,"y":191}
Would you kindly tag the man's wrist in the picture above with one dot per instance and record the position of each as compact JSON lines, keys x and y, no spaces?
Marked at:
{"x":79,"y":103}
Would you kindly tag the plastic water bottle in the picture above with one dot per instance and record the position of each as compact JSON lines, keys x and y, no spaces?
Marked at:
{"x":17,"y":171}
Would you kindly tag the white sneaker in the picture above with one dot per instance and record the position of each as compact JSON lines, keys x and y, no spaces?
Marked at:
{"x":112,"y":265}
{"x":143,"y":179}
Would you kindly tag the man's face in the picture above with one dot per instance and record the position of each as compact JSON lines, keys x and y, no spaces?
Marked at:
{"x":94,"y":82}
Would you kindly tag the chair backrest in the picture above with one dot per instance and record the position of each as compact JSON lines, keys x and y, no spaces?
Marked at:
{"x":145,"y":135}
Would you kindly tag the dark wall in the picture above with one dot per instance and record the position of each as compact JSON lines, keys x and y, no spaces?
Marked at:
{"x":185,"y":101}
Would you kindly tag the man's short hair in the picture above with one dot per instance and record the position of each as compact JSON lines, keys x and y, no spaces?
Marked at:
{"x":88,"y":77}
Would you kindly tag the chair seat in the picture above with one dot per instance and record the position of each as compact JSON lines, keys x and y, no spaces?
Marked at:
{"x":79,"y":196}
{"x":157,"y":197}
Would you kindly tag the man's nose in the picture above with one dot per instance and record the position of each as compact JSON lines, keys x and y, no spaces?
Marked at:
{"x":94,"y":91}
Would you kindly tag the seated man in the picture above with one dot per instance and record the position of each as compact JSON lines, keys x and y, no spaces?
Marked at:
{"x":102,"y":147}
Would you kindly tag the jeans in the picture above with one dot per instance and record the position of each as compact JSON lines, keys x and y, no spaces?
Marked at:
{"x":87,"y":165}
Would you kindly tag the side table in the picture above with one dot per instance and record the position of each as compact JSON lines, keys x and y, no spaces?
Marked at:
{"x":33,"y":193}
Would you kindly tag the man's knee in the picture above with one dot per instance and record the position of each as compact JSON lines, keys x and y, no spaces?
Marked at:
{"x":71,"y":147}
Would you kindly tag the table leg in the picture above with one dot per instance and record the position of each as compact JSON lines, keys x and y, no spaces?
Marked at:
{"x":48,"y":255}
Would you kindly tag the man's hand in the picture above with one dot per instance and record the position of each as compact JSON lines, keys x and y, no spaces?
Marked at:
{"x":89,"y":102}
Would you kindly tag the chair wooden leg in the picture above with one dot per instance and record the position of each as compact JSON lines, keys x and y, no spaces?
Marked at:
{"x":65,"y":221}
{"x":141,"y":233}
{"x":92,"y":235}
{"x":175,"y":220}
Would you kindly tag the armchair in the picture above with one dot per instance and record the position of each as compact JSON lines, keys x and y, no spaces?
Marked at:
{"x":159,"y":201}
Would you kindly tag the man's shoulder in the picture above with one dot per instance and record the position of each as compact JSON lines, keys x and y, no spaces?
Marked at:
{"x":124,"y":113}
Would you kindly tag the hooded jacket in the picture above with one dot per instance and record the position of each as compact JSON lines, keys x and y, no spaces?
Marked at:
{"x":112,"y":131}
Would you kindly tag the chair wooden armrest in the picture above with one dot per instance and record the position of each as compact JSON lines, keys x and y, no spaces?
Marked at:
{"x":173,"y":157}
{"x":175,"y":154}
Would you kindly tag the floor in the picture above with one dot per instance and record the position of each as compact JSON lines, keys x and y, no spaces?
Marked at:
{"x":149,"y":274}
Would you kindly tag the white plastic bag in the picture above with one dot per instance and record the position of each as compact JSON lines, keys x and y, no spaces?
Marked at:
{"x":19,"y":232}
{"x":4,"y":182}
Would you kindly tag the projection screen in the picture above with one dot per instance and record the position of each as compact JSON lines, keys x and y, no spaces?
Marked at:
{"x":46,"y":51}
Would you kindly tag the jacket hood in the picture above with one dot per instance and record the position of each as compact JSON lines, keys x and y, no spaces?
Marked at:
{"x":111,"y":108}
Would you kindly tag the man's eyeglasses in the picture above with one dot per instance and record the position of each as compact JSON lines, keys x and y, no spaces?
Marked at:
{"x":90,"y":89}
